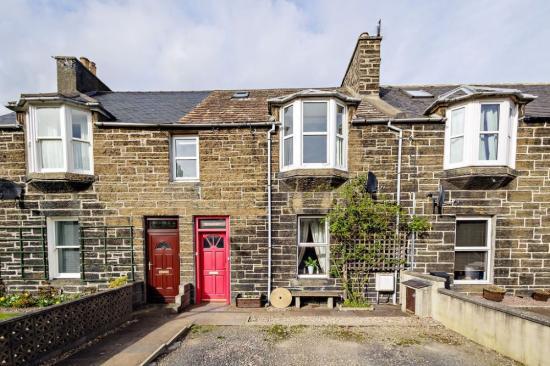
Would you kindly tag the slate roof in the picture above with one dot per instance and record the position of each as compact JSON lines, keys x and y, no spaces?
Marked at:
{"x":8,"y":119}
{"x":415,"y":107}
{"x":148,"y":107}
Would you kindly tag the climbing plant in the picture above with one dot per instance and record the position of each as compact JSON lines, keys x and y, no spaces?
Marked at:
{"x":366,"y":235}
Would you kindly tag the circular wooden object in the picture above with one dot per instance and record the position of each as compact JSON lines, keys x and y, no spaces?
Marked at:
{"x":280,"y":298}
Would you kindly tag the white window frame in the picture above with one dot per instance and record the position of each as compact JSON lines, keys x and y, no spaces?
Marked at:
{"x":288,"y":137}
{"x":298,"y":135}
{"x":189,"y":140}
{"x":34,"y":158}
{"x":489,"y":249}
{"x":507,"y":135}
{"x":53,"y":254}
{"x":312,"y":245}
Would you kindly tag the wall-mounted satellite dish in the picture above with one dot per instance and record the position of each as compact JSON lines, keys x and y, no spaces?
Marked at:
{"x":372,"y":184}
{"x":10,"y":190}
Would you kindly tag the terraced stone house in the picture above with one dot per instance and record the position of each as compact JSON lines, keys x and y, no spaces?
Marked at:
{"x":218,"y":193}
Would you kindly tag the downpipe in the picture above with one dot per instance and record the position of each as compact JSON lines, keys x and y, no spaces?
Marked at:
{"x":269,"y":238}
{"x":398,"y":193}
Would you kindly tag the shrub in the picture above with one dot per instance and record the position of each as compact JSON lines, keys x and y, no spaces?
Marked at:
{"x":117,"y":282}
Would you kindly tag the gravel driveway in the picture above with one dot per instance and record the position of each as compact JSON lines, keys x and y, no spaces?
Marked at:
{"x":421,"y":343}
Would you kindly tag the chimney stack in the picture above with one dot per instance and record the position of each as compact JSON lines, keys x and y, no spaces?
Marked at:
{"x":77,"y":76}
{"x":363,"y":73}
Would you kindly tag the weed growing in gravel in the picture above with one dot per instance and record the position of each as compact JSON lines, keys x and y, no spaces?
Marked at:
{"x":405,"y":342}
{"x":201,"y":329}
{"x":443,"y":338}
{"x":344,"y":334}
{"x":279,"y":332}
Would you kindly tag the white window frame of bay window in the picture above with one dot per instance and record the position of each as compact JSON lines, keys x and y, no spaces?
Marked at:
{"x":507,"y":135}
{"x":65,"y":120}
{"x":298,"y":134}
{"x":489,"y":249}
{"x":53,"y":254}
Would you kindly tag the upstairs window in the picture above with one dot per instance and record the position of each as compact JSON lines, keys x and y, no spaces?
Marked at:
{"x":314,"y":135}
{"x":185,"y":158}
{"x":481,"y":134}
{"x":59,"y":140}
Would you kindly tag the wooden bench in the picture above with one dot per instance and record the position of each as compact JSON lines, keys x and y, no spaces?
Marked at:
{"x":330,"y":295}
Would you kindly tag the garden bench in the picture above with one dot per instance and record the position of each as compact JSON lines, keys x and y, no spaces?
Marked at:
{"x":330,"y":295}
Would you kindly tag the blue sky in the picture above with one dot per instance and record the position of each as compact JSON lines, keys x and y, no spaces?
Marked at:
{"x":237,"y":44}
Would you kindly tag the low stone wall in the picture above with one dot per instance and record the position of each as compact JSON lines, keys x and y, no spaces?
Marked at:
{"x":41,"y":335}
{"x":521,"y":335}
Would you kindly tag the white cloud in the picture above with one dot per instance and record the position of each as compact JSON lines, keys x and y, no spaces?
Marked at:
{"x":174,"y":45}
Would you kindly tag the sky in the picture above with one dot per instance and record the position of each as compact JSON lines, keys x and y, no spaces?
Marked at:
{"x":240,"y":44}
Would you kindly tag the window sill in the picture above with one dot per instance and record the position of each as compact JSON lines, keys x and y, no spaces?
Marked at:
{"x":60,"y":182}
{"x":313,"y":277}
{"x":313,"y":179}
{"x":479,"y":177}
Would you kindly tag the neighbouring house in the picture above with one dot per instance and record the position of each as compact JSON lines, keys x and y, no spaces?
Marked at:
{"x":226,"y":190}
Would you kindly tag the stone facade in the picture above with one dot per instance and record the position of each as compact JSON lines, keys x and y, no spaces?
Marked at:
{"x":132,"y":181}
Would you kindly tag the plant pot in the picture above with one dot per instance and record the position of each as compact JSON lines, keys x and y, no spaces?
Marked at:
{"x":249,"y":302}
{"x":493,"y":295}
{"x":310,"y":269}
{"x":541,"y":295}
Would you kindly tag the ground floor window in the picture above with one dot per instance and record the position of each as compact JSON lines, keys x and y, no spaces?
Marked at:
{"x":473,"y":243}
{"x":64,"y":247}
{"x":313,"y":247}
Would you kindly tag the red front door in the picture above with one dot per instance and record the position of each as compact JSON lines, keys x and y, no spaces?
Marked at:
{"x":163,"y":266}
{"x":212,"y":259}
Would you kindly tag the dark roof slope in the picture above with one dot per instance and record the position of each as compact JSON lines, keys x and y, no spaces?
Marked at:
{"x":415,"y":107}
{"x":148,"y":107}
{"x":8,"y":119}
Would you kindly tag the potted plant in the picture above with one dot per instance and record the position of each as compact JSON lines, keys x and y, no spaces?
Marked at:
{"x":311,"y":264}
{"x":541,"y":295}
{"x":494,"y":293}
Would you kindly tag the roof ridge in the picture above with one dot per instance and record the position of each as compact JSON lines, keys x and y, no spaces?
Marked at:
{"x":459,"y":84}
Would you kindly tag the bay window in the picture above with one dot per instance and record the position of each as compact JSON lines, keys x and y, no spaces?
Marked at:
{"x":313,"y":247}
{"x":473,"y":248}
{"x":59,"y":140}
{"x":481,"y":133}
{"x":313,"y":135}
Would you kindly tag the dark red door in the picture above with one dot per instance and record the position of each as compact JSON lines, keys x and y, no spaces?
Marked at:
{"x":163,"y":266}
{"x":212,"y":261}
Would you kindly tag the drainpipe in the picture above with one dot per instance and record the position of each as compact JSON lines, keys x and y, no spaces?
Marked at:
{"x":269,"y":239}
{"x":398,"y":193}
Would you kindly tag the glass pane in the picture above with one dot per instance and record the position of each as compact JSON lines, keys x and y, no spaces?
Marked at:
{"x":186,"y":168}
{"x":163,"y":245}
{"x":69,"y":260}
{"x":313,"y":260}
{"x":315,"y":149}
{"x":315,"y":117}
{"x":471,"y":233}
{"x":81,"y":155}
{"x":212,"y":224}
{"x":162,"y":224}
{"x":288,"y":151}
{"x":48,"y":121}
{"x":80,"y":124}
{"x":67,"y":233}
{"x":488,"y":146}
{"x":339,"y":119}
{"x":457,"y":149}
{"x":489,"y":117}
{"x":186,"y":149}
{"x":51,"y":154}
{"x":312,"y":230}
{"x":289,"y":120}
{"x":213,"y":241}
{"x":470,"y":265}
{"x":457,"y":122}
{"x":339,"y":152}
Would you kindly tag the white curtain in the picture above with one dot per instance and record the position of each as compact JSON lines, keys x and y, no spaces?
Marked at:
{"x":81,"y":155}
{"x":304,"y":231}
{"x":488,"y":144}
{"x":51,"y":153}
{"x":318,"y":233}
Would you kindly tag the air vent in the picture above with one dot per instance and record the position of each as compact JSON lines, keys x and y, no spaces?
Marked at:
{"x":240,"y":95}
{"x":419,"y":94}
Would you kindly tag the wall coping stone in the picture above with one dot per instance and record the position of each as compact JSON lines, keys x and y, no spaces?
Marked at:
{"x":527,"y":315}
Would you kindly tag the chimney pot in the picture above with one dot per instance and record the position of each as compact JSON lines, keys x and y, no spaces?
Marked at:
{"x":93,"y":68}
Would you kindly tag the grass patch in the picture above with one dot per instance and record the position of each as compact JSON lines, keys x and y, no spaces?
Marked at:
{"x":279,"y":332}
{"x":406,"y":342}
{"x":5,"y":316}
{"x":197,"y":330}
{"x":356,"y":303}
{"x":345,"y":334}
